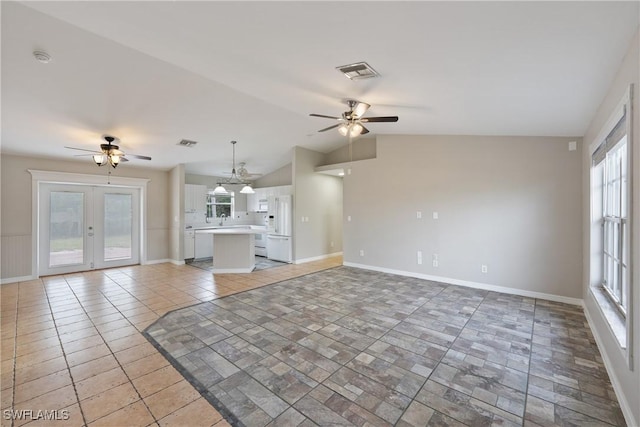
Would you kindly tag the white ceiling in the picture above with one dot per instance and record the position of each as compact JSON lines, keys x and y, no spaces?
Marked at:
{"x":154,"y":72}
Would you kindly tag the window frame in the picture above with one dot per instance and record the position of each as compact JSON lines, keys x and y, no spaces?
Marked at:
{"x":212,"y":204}
{"x":621,"y":326}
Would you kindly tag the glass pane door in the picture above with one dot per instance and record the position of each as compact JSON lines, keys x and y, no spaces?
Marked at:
{"x":85,"y":227}
{"x":64,"y":241}
{"x":66,"y":225}
{"x":118,"y":219}
{"x":118,"y":234}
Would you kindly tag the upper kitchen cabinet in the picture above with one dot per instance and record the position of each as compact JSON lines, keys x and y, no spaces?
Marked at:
{"x":195,"y":197}
{"x":257,"y":202}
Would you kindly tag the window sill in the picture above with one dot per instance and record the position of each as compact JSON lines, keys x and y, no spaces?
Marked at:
{"x":617,"y":322}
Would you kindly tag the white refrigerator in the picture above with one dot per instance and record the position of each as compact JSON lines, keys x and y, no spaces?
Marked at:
{"x":279,"y":218}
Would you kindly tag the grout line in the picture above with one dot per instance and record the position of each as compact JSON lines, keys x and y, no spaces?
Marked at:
{"x":15,"y":355}
{"x":113,"y":354}
{"x":64,"y":353}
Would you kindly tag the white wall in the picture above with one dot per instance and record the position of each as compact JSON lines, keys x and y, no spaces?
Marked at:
{"x":511,"y":203}
{"x":626,"y":381}
{"x":282,"y":176}
{"x":15,"y":227}
{"x":361,"y":149}
{"x":318,"y":197}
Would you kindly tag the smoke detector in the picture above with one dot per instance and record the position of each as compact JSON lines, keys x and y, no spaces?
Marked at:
{"x":358,"y":71}
{"x":42,"y":56}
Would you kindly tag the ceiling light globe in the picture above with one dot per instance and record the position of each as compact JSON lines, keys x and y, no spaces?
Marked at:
{"x":247,"y":190}
{"x":356,"y":129}
{"x":220,"y":190}
{"x":343,"y":129}
{"x":100,"y":159}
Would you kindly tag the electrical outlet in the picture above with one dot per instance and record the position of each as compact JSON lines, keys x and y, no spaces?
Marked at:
{"x":361,"y":252}
{"x":419,"y":255}
{"x":435,"y":262}
{"x":573,"y":145}
{"x":349,"y":218}
{"x":435,"y":257}
{"x":419,"y":215}
{"x":331,"y":244}
{"x":306,"y":219}
{"x":349,"y":171}
{"x":484,"y":268}
{"x":302,"y":220}
{"x":435,"y":215}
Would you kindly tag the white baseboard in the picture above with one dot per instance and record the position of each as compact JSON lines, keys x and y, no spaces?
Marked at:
{"x":232,"y":270}
{"x":476,"y":285}
{"x":162,"y":261}
{"x":17,"y":279}
{"x":617,"y":388}
{"x":316,"y":258}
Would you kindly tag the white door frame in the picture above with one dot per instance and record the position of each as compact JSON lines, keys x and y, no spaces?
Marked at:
{"x":39,"y":177}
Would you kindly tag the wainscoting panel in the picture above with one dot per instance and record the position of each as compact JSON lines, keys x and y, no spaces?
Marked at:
{"x":16,"y":256}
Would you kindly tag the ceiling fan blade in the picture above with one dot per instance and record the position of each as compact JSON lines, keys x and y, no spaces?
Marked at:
{"x":329,"y":128}
{"x":323,"y":116}
{"x":139,"y":157}
{"x":364,"y":130}
{"x":360,"y":109}
{"x":123,"y":159}
{"x":82,"y":149}
{"x":379,"y":119}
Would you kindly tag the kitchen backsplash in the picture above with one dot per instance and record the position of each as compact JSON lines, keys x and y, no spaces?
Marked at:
{"x":197,"y":219}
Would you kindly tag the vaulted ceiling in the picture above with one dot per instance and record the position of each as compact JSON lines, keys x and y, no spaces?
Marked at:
{"x":155,"y":72}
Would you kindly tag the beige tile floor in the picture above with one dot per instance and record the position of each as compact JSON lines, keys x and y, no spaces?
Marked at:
{"x":71,"y":344}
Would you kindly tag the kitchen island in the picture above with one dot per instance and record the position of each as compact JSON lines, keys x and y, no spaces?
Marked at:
{"x":233,"y":248}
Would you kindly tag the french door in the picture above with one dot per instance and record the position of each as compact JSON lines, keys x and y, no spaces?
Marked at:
{"x":85,"y":227}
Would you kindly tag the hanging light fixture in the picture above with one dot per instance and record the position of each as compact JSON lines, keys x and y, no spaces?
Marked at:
{"x":234,"y":179}
{"x":351,"y":129}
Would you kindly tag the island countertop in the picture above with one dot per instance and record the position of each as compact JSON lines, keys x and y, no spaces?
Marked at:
{"x":230,"y":231}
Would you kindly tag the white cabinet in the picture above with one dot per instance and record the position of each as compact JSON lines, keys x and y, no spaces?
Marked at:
{"x":253,"y":200}
{"x":189,"y":244}
{"x":204,"y":245}
{"x":195,"y":198}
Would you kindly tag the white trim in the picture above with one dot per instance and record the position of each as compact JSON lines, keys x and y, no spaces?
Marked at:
{"x":41,"y":177}
{"x":162,"y":261}
{"x":617,"y":388}
{"x":232,"y":270}
{"x":8,"y":280}
{"x":612,"y":121}
{"x":468,"y":284}
{"x":316,"y":258}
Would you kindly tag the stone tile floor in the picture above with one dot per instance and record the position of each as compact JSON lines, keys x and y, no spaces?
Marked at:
{"x":347,"y":346}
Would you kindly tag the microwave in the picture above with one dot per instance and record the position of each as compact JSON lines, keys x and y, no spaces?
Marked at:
{"x":263,"y":205}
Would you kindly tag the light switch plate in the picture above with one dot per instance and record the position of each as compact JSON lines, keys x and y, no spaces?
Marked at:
{"x":435,"y":215}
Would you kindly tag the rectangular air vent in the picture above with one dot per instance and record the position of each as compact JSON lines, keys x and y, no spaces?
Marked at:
{"x":357,"y":71}
{"x":187,"y":143}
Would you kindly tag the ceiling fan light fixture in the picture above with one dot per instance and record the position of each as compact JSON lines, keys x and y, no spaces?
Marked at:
{"x":247,"y":189}
{"x":100,"y":159}
{"x":343,"y":129}
{"x":356,"y":129}
{"x":360,"y":109}
{"x":114,"y":160}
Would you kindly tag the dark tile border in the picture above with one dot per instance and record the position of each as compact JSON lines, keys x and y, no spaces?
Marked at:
{"x":214,"y":401}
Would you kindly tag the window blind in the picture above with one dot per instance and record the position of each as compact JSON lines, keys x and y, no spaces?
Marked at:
{"x":616,"y":134}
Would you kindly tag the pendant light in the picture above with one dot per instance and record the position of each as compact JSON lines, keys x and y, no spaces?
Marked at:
{"x":234,"y":179}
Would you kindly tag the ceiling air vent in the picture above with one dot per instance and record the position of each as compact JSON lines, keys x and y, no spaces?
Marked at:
{"x":357,"y":71}
{"x":187,"y":143}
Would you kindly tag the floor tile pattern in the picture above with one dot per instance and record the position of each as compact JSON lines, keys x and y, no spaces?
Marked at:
{"x":347,"y":346}
{"x":73,"y":344}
